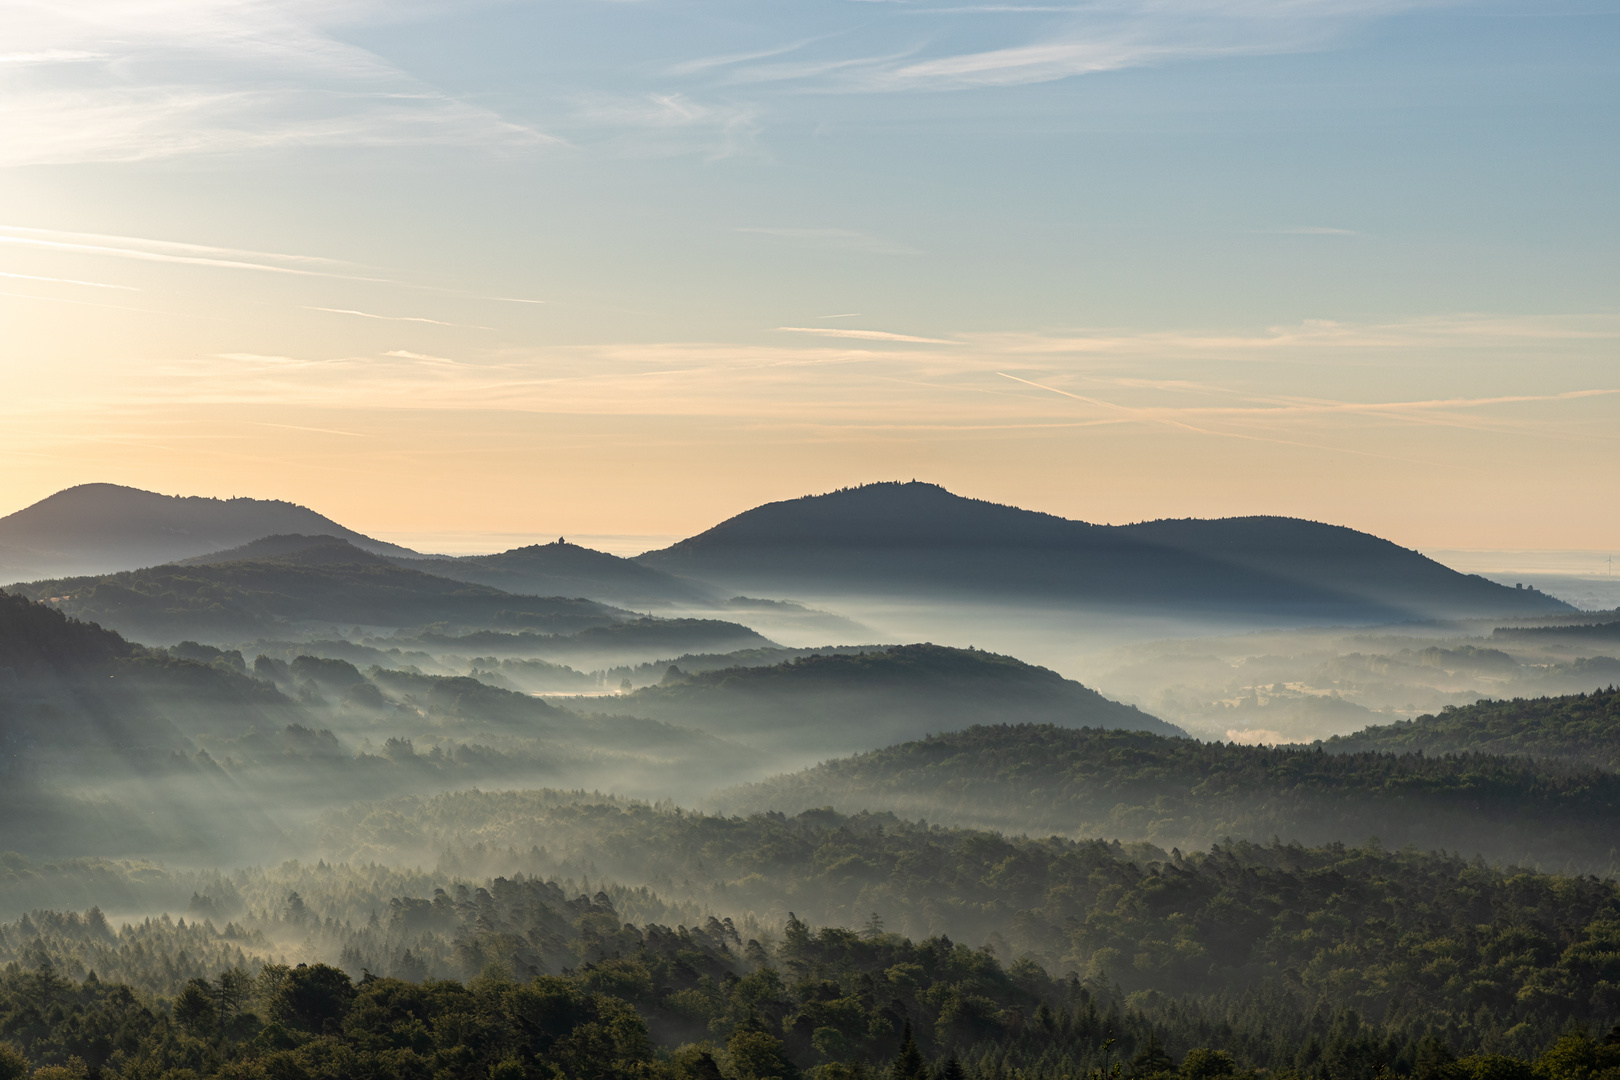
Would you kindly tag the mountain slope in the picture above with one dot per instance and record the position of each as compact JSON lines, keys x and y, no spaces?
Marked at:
{"x":1138,"y":786}
{"x":564,"y":569}
{"x":835,"y":704}
{"x":326,"y":582}
{"x":100,"y":528}
{"x":918,"y":539}
{"x":67,"y":683}
{"x":1581,"y":730}
{"x":92,"y":728}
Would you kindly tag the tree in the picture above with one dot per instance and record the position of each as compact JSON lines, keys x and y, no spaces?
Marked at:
{"x":194,"y":1007}
{"x":755,"y":1055}
{"x":13,"y":1063}
{"x":312,"y":997}
{"x":1203,"y":1063}
{"x":908,"y":1063}
{"x":1151,"y":1060}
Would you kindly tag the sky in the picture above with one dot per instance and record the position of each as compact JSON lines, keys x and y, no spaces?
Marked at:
{"x":627,"y":267}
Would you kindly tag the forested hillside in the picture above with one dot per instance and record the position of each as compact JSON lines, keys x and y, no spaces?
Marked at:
{"x":1582,"y":730}
{"x":563,"y":569}
{"x":1332,"y":963}
{"x":114,"y":749}
{"x":920,"y":541}
{"x":104,"y":528}
{"x":65,"y":683}
{"x":331,"y":583}
{"x":838,"y":702}
{"x":1135,"y":785}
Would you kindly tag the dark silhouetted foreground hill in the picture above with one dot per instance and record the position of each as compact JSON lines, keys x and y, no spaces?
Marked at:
{"x":1134,"y":785}
{"x":1582,"y":730}
{"x":99,"y":528}
{"x":564,"y":569}
{"x":325,"y":581}
{"x":840,"y":703}
{"x":915,"y":539}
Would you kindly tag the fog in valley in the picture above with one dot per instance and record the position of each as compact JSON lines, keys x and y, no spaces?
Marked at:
{"x":305,"y":749}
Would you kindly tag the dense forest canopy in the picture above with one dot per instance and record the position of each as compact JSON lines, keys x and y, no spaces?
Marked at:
{"x":1579,"y":729}
{"x":1136,"y":785}
{"x":1327,"y":963}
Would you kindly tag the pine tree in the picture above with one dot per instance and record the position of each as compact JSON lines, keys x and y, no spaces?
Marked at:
{"x":908,"y":1064}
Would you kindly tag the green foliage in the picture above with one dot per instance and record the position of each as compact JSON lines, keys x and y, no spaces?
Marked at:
{"x":13,"y":1062}
{"x":1582,"y":730}
{"x":697,"y":1003}
{"x":1136,"y":785}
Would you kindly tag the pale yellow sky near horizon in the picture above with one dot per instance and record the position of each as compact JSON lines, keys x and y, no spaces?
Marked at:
{"x":1359,"y":426}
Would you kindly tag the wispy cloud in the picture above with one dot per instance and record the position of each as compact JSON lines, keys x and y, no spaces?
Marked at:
{"x":183,"y":253}
{"x":403,"y":354}
{"x":1263,"y":388}
{"x":128,"y":80}
{"x":168,"y":251}
{"x":132,"y":80}
{"x":865,"y":335}
{"x":68,"y":281}
{"x":1063,"y":40}
{"x":396,"y":318}
{"x":707,"y":63}
{"x":668,"y":123}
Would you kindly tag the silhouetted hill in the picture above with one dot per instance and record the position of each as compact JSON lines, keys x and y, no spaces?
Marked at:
{"x":85,"y":714}
{"x":919,"y":540}
{"x":564,"y":569}
{"x":99,"y":528}
{"x":326,"y":582}
{"x":1581,"y":730}
{"x":293,"y":548}
{"x":70,"y":684}
{"x":1138,"y":786}
{"x":836,"y":704}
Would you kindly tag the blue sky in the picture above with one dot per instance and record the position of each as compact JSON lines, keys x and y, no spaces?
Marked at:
{"x":651,"y":262}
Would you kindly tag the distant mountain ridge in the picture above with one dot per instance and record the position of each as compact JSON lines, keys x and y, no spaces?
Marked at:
{"x":563,"y":569}
{"x":102,"y":528}
{"x":911,"y":539}
{"x":898,"y":540}
{"x":287,"y":581}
